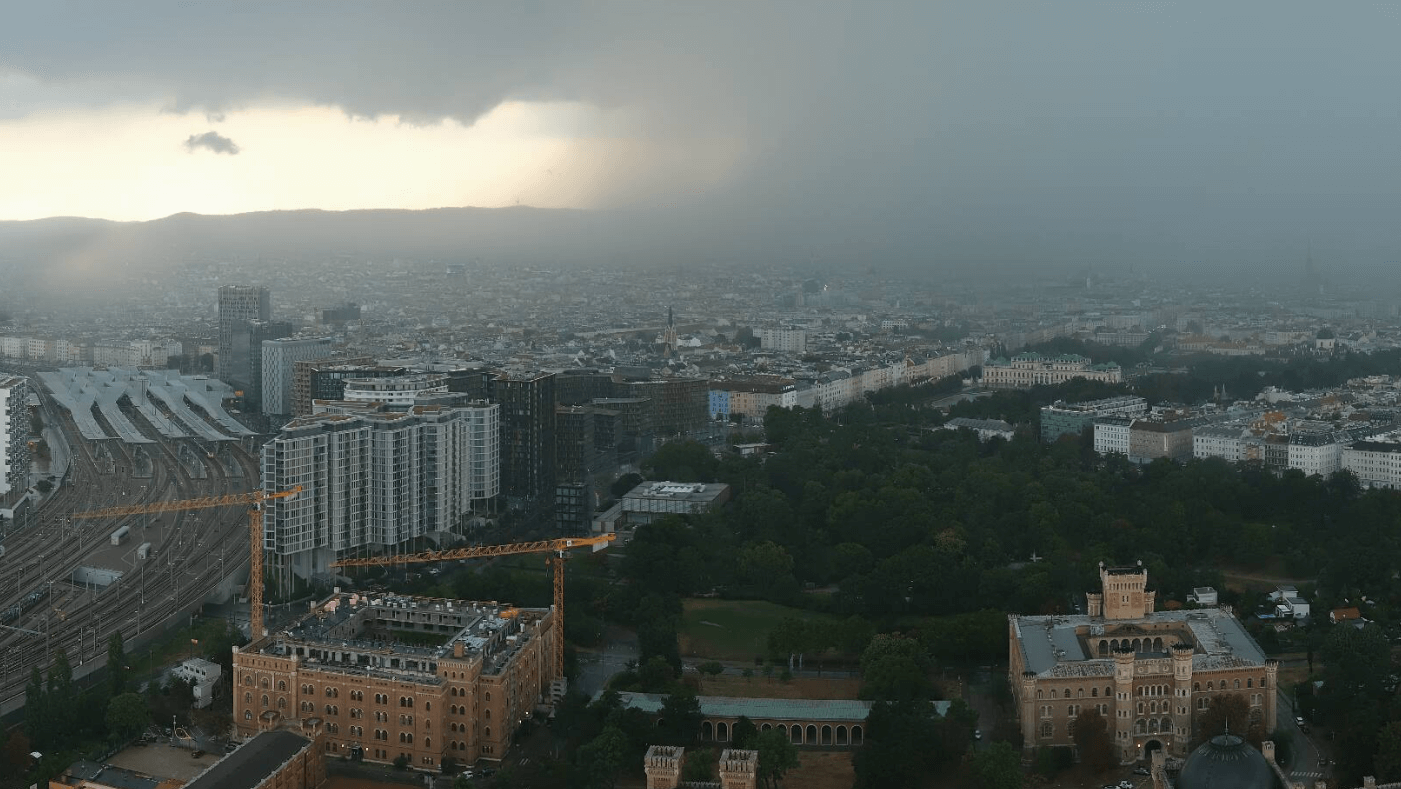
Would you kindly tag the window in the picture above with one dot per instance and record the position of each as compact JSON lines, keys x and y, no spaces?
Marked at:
{"x":282,"y":686}
{"x":265,"y":701}
{"x":486,"y":733}
{"x":1094,"y":692}
{"x":1237,"y":687}
{"x":248,"y":698}
{"x":1250,"y":682}
{"x":1047,"y":731}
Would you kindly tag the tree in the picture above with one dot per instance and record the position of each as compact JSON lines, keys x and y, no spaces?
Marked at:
{"x":601,"y":759}
{"x":127,"y":715}
{"x":1092,"y":738}
{"x":895,"y":668}
{"x":999,"y":766}
{"x":777,"y":755}
{"x":699,"y":765}
{"x":62,"y":698}
{"x":744,"y":735}
{"x":712,"y":668}
{"x":682,"y":461}
{"x":1388,"y":758}
{"x":116,"y":665}
{"x":37,"y":717}
{"x":681,"y":717}
{"x":902,"y":745}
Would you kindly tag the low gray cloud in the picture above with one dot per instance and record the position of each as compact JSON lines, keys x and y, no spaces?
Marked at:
{"x":213,"y":141}
{"x":1092,"y":132}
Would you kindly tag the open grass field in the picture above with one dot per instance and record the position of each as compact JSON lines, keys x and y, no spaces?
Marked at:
{"x":733,"y":629}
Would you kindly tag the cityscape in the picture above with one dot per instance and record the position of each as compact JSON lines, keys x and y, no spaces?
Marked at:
{"x":700,"y":397}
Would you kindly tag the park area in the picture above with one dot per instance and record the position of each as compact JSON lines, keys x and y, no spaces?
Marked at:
{"x":736,"y":630}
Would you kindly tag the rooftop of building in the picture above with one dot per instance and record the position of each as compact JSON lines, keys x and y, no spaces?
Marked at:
{"x":107,"y":775}
{"x":1056,"y":645}
{"x":835,"y":710}
{"x":687,"y":491}
{"x":979,"y":424}
{"x":366,"y":623}
{"x":1091,"y":406}
{"x":252,"y":763}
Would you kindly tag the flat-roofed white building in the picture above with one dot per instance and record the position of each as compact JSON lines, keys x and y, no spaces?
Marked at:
{"x":1219,"y":441}
{"x":1112,"y":435}
{"x":1376,"y":462}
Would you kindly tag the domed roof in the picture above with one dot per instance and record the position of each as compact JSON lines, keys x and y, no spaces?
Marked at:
{"x":1226,"y":761}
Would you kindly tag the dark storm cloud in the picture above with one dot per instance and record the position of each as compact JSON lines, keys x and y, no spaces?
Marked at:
{"x":211,"y":141}
{"x":1081,"y":131}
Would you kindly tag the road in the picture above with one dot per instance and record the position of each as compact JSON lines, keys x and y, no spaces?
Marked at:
{"x":1304,"y":763}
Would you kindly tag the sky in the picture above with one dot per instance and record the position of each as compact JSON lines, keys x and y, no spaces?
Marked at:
{"x":974,"y":129}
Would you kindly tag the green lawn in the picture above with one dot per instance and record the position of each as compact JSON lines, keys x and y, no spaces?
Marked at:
{"x":733,"y":629}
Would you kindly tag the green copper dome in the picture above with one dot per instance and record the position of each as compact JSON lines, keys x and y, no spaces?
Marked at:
{"x":1226,"y":761}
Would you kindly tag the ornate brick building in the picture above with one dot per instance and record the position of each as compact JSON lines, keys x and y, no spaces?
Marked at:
{"x":386,"y":676}
{"x":1148,"y":672}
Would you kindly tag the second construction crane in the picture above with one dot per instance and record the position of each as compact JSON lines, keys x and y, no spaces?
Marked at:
{"x":559,"y":548}
{"x":255,"y":536}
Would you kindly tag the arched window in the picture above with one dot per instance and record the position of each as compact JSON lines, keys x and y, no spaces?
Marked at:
{"x":856,"y":735}
{"x":486,"y":715}
{"x":1094,"y":692}
{"x":1196,"y":687}
{"x":1047,"y":730}
{"x":1108,"y":691}
{"x":247,"y":715}
{"x":427,"y":706}
{"x":487,"y":696}
{"x":266,"y":683}
{"x":265,"y":701}
{"x":1209,"y":687}
{"x":486,"y":733}
{"x":1237,"y":686}
{"x":282,"y":685}
{"x":1262,"y":682}
{"x":248,"y":679}
{"x":248,"y":698}
{"x":1079,"y":693}
{"x":281,"y":702}
{"x":1140,"y":708}
{"x":1038,"y":693}
{"x":427,"y":742}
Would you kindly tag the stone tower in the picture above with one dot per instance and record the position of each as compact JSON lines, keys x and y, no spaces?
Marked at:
{"x":1125,"y":595}
{"x":1123,"y":704}
{"x":1181,"y":698}
{"x":663,"y":766}
{"x":739,"y":769}
{"x":1028,"y":691}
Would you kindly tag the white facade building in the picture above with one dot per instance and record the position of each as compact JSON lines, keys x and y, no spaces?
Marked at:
{"x":279,"y":365}
{"x":203,"y":676}
{"x":375,"y":477}
{"x":1315,"y":454}
{"x":14,"y":434}
{"x":1026,"y":370}
{"x":1112,"y":435}
{"x":396,"y":391}
{"x":784,"y":340}
{"x":1219,"y":442}
{"x":1375,"y":462}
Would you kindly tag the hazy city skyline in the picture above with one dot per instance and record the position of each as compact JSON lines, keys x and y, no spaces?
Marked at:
{"x":1156,"y":133}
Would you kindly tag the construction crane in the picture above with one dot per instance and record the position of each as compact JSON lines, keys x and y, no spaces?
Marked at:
{"x":255,"y":536}
{"x":559,"y":547}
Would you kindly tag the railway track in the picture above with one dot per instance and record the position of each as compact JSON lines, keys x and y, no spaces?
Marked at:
{"x":194,"y":553}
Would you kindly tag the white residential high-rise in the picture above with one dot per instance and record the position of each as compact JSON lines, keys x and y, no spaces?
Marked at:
{"x":375,"y":478}
{"x":14,"y":434}
{"x":279,"y":365}
{"x":785,"y":340}
{"x":395,"y":390}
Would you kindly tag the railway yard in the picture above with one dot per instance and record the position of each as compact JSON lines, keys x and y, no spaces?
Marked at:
{"x":71,"y":583}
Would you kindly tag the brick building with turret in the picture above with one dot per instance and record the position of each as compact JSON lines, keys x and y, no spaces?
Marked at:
{"x":1149,"y":673}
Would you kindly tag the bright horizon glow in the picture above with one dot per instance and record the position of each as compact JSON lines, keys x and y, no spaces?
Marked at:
{"x":129,"y":162}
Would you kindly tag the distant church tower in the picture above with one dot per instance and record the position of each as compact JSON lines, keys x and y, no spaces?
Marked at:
{"x":669,"y":336}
